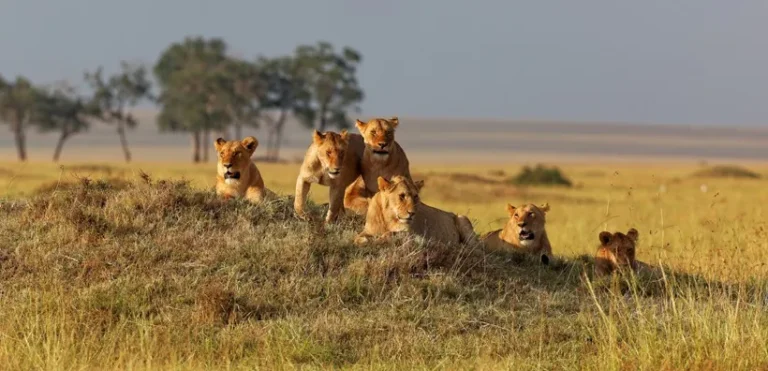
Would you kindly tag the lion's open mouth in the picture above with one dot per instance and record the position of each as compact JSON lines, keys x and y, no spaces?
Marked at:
{"x":526,"y":235}
{"x":232,"y":175}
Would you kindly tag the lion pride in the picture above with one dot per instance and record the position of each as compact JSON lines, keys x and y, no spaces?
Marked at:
{"x":333,"y":160}
{"x":396,"y":207}
{"x":237,"y":174}
{"x":525,"y":231}
{"x":382,"y":157}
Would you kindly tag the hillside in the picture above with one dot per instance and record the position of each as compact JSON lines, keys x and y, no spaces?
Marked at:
{"x":154,"y":274}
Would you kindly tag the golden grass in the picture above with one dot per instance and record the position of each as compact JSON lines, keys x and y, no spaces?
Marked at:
{"x":165,"y":276}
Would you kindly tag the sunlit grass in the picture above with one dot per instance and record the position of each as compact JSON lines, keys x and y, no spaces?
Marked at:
{"x":168,"y":277}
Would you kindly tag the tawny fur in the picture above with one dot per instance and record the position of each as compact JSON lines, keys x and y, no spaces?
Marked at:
{"x":378,"y":135}
{"x":617,"y":253}
{"x":527,"y":216}
{"x":396,"y":207}
{"x":332,"y":160}
{"x":237,"y":153}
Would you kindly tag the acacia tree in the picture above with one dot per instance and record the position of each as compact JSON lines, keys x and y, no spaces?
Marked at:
{"x":242,"y":90}
{"x":18,"y":101}
{"x":116,"y":95}
{"x":61,"y":109}
{"x":194,"y":94}
{"x":286,"y":92}
{"x":331,"y":81}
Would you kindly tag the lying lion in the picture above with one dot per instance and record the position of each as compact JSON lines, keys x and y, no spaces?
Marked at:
{"x":525,"y":231}
{"x":396,"y":207}
{"x":617,"y":253}
{"x":237,"y":174}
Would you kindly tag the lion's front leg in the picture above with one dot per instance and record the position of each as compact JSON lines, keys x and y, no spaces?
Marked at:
{"x":300,"y":199}
{"x":336,"y":201}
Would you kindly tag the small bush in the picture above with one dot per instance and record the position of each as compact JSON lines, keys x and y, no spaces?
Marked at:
{"x":541,"y":175}
{"x":727,"y":171}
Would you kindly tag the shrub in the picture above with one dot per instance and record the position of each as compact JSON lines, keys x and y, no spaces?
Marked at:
{"x":541,"y":175}
{"x":727,"y":171}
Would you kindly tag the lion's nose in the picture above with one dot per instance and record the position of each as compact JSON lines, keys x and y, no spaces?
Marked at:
{"x":382,"y":144}
{"x":521,"y":224}
{"x":411,"y":214}
{"x":227,"y":165}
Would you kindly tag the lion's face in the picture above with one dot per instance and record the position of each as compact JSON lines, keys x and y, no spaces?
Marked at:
{"x":378,"y":135}
{"x":234,"y":157}
{"x":331,"y":148}
{"x":400,"y":198}
{"x":528,"y":222}
{"x":621,"y":245}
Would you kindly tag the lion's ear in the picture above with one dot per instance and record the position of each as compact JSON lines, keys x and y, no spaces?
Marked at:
{"x":605,"y":238}
{"x":544,"y":207}
{"x":344,"y":135}
{"x":360,"y":125}
{"x":511,"y":209}
{"x":218,"y":143}
{"x":394,"y":121}
{"x":250,"y":143}
{"x":383,"y":184}
{"x":317,"y":137}
{"x":419,"y":184}
{"x":632,"y":233}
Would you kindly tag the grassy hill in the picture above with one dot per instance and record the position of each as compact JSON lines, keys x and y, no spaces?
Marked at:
{"x":155,"y":274}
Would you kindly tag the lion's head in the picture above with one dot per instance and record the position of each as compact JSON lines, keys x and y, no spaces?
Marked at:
{"x":528,"y":222}
{"x":620,"y":245}
{"x":399,"y":199}
{"x":378,"y":135}
{"x":331,"y":148}
{"x":234,"y":157}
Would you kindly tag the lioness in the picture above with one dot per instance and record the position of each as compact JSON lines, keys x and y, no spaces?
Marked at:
{"x":332,"y":160}
{"x":237,"y":174}
{"x":383,"y":156}
{"x":396,"y":207}
{"x":617,"y":253}
{"x":525,"y":231}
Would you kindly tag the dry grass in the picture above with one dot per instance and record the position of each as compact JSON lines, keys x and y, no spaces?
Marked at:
{"x":157,"y":273}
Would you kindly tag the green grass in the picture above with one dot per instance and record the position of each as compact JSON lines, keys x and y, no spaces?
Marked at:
{"x":158,"y":273}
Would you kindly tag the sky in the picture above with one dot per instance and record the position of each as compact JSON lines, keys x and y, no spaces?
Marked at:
{"x":655,"y":61}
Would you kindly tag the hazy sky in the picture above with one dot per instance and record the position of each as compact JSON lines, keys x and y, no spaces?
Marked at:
{"x":662,"y":61}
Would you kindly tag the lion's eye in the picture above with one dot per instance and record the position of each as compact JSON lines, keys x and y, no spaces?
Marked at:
{"x":515,"y":216}
{"x":402,"y":196}
{"x":373,"y":132}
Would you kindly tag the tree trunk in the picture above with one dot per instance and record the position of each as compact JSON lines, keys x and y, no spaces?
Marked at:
{"x":323,"y":120}
{"x":204,"y":145}
{"x":196,"y":146}
{"x":279,"y":128}
{"x":238,"y":130}
{"x":59,"y":146}
{"x":21,"y":144}
{"x":123,"y":141}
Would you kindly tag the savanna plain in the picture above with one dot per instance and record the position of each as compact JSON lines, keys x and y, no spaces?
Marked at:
{"x":141,"y":266}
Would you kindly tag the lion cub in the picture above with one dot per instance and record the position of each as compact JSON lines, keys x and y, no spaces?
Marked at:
{"x":525,"y":231}
{"x":332,"y":160}
{"x":396,"y":207}
{"x":382,"y":156}
{"x":237,"y":174}
{"x":616,"y":253}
